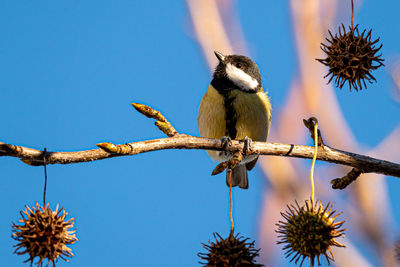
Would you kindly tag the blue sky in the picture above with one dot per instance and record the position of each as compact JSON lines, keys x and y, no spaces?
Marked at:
{"x":69,"y":71}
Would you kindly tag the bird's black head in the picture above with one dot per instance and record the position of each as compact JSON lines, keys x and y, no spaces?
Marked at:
{"x":236,"y":72}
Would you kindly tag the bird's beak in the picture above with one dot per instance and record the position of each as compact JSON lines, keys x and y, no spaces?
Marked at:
{"x":220,"y":56}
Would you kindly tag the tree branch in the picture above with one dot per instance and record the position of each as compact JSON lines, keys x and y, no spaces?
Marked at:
{"x":360,"y":163}
{"x":363,"y":163}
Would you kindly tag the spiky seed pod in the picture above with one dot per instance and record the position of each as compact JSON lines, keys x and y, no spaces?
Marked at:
{"x":233,"y":251}
{"x":309,"y":231}
{"x":351,"y":57}
{"x":45,"y":234}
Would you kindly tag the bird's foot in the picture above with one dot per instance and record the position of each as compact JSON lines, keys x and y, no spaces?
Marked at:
{"x":247,"y":145}
{"x":226,"y":141}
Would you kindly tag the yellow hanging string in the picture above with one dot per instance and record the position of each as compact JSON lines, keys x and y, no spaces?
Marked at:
{"x":231,"y":200}
{"x":314,"y":159}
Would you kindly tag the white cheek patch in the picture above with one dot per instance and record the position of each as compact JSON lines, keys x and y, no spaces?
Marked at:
{"x":241,"y":78}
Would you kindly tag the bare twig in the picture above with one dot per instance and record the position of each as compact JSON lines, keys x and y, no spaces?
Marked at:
{"x":35,"y":157}
{"x":342,"y":183}
{"x":363,"y":163}
{"x":161,"y":122}
{"x":310,"y":126}
{"x":230,"y":164}
{"x":338,"y":183}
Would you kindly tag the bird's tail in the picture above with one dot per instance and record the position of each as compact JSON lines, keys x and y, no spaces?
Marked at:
{"x":239,"y":177}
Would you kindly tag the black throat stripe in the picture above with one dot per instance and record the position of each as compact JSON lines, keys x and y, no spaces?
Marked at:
{"x":224,"y":86}
{"x":230,"y":116}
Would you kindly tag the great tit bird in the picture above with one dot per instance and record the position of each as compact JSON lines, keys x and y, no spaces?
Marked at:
{"x":235,"y":106}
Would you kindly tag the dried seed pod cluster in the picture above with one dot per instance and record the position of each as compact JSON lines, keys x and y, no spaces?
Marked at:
{"x":45,"y":234}
{"x":233,"y":251}
{"x":309,"y":231}
{"x":351,"y":57}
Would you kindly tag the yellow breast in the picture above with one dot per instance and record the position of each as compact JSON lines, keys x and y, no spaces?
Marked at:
{"x":252,"y":114}
{"x":211,"y":118}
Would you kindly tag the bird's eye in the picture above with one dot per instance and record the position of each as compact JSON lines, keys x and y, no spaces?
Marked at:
{"x":238,"y":65}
